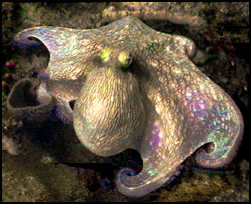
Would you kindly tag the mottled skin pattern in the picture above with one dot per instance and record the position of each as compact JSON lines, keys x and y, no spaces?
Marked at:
{"x":137,"y":88}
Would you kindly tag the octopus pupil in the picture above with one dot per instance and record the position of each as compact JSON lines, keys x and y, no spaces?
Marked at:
{"x":209,"y":147}
{"x":72,"y":103}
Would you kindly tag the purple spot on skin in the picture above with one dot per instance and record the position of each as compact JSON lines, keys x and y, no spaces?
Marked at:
{"x":156,"y":136}
{"x":154,"y":142}
{"x":196,"y":103}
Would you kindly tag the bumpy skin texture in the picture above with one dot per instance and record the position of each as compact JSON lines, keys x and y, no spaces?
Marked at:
{"x":137,"y":88}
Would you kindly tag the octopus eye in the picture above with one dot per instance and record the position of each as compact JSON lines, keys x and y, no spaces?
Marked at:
{"x":125,"y":60}
{"x":72,"y":103}
{"x":209,"y":147}
{"x":105,"y":55}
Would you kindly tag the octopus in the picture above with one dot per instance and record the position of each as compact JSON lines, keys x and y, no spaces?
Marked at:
{"x":126,"y":86}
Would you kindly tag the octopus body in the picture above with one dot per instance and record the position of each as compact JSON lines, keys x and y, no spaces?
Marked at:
{"x":134,"y":87}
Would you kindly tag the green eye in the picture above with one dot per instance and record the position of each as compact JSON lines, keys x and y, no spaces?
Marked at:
{"x":124,"y":59}
{"x":105,"y":55}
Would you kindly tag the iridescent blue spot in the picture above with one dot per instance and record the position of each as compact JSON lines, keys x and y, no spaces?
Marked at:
{"x":85,"y":35}
{"x":181,"y":60}
{"x":43,"y":31}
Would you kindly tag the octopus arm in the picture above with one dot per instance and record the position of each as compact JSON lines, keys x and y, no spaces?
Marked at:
{"x":189,"y":111}
{"x":204,"y":111}
{"x":224,"y":131}
{"x":63,"y":45}
{"x":161,"y":162}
